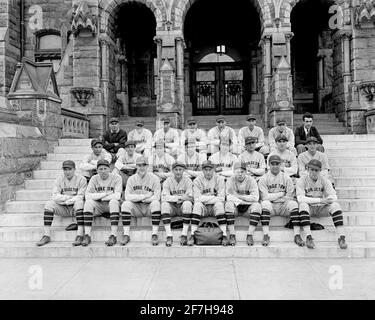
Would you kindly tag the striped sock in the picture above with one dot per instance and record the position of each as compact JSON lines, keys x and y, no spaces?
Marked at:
{"x":48,"y":217}
{"x":221,"y":219}
{"x":230,"y":222}
{"x":186,"y":217}
{"x":88,"y":217}
{"x":254,"y":218}
{"x":265,"y":220}
{"x":338,"y":219}
{"x":155,"y":218}
{"x":294,"y":216}
{"x":166,"y":218}
{"x":126,"y":219}
{"x":304,"y":218}
{"x":80,"y":222}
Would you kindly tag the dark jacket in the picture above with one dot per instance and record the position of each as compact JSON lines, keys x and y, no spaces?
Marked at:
{"x":110,"y":138}
{"x":300,"y":135}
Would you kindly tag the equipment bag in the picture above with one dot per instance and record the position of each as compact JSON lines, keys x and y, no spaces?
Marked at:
{"x":208,"y":234}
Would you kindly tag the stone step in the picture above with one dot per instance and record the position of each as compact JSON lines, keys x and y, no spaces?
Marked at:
{"x":46,"y":174}
{"x":317,"y":116}
{"x":143,"y":234}
{"x":35,"y":219}
{"x":39,"y":184}
{"x":62,"y":157}
{"x":146,"y":250}
{"x":30,"y":195}
{"x":24,"y":206}
{"x":355,"y":193}
{"x":55,"y":165}
{"x":349,"y":137}
{"x":351,"y":162}
{"x":351,"y":145}
{"x":355,"y":182}
{"x":74,"y":142}
{"x":357,"y":205}
{"x":350,"y":171}
{"x":348,"y":153}
{"x":83,"y":150}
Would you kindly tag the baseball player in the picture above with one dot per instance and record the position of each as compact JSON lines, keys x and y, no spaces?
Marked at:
{"x":305,"y":157}
{"x":176,"y":200}
{"x":170,"y":137}
{"x":316,"y":197}
{"x":114,"y":139}
{"x":192,"y":160}
{"x":288,"y":158}
{"x":161,"y":162}
{"x":277,"y":199}
{"x":242,"y":199}
{"x":209,"y":197}
{"x":223,"y":159}
{"x":66,"y":201}
{"x":142,"y":138}
{"x":281,"y":129}
{"x":103,"y":195}
{"x":195,"y":134}
{"x":254,"y":161}
{"x":142,"y":198}
{"x":221,"y":130}
{"x":252,"y":131}
{"x":89,"y":163}
{"x":125,"y":164}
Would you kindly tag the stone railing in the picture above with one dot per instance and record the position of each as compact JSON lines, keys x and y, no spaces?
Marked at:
{"x":75,"y":125}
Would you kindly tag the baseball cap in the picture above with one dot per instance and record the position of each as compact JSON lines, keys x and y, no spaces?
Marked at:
{"x":165,"y":120}
{"x":141,"y":160}
{"x":239,"y":165}
{"x":281,"y":138}
{"x":312,"y":139}
{"x":280,"y":121}
{"x":191,"y":120}
{"x":140,"y":123}
{"x":178,"y":164}
{"x":114,"y":119}
{"x":94,"y":142}
{"x":208,"y":164}
{"x":220,"y":118}
{"x":314,"y":163}
{"x":250,"y":117}
{"x":274,"y":158}
{"x":69,"y":164}
{"x":102,"y":163}
{"x":249,"y":140}
{"x":130,"y":143}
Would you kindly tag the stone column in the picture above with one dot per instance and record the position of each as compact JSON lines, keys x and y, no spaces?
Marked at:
{"x":159,"y":43}
{"x":180,"y":45}
{"x":288,"y":37}
{"x":267,"y":73}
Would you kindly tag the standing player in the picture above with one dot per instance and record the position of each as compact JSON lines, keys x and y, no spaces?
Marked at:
{"x":209,"y":197}
{"x":89,"y":163}
{"x":142,"y":138}
{"x":277,"y":199}
{"x":281,"y":129}
{"x":161,"y":162}
{"x":224,"y":160}
{"x":316,"y":197}
{"x":216,"y":133}
{"x":103,"y":195}
{"x":142,"y":198}
{"x":169,"y":136}
{"x":192,"y":160}
{"x":192,"y":133}
{"x":242,"y":198}
{"x":254,"y":161}
{"x":114,"y":139}
{"x":252,"y":131}
{"x":67,"y":201}
{"x":125,"y":164}
{"x":177,"y":198}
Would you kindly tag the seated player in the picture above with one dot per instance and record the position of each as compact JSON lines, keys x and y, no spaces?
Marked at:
{"x":66,"y":201}
{"x":215,"y":134}
{"x":195,"y":134}
{"x":316,"y":197}
{"x":89,"y":163}
{"x":209,"y":198}
{"x":177,"y":200}
{"x":281,"y":129}
{"x":192,"y":160}
{"x":305,"y":131}
{"x":142,"y":138}
{"x":103,"y":195}
{"x":252,"y":131}
{"x":288,"y":158}
{"x":223,"y":159}
{"x":254,"y":161}
{"x":125,"y":164}
{"x":242,"y":199}
{"x":142,"y":198}
{"x":277,"y":199}
{"x":312,"y":153}
{"x":161,"y":162}
{"x":169,"y":136}
{"x":114,"y":139}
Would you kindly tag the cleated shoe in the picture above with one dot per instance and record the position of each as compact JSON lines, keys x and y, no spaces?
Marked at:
{"x":232,"y":240}
{"x":266,"y":240}
{"x":45,"y":239}
{"x":298,"y":240}
{"x":125,"y":240}
{"x":191,"y":240}
{"x":86,"y":240}
{"x":154,"y":240}
{"x":169,"y":241}
{"x":183,"y":241}
{"x":77,"y":241}
{"x":342,"y":242}
{"x":250,"y":240}
{"x":111,"y":241}
{"x":225,"y":241}
{"x":310,"y":242}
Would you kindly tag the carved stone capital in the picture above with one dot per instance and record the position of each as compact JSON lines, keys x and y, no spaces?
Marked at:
{"x":82,"y":94}
{"x":365,"y":13}
{"x":367,"y":89}
{"x":82,"y":19}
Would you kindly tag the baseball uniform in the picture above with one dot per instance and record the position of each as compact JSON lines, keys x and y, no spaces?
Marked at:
{"x":224,"y":163}
{"x":258,"y":133}
{"x":193,"y":164}
{"x":215,"y":135}
{"x":198,"y":135}
{"x":143,"y":141}
{"x":88,"y":165}
{"x":161,"y":166}
{"x":288,"y":161}
{"x":125,"y":166}
{"x":305,"y":157}
{"x":171,"y":139}
{"x":255,"y":163}
{"x":274,"y":132}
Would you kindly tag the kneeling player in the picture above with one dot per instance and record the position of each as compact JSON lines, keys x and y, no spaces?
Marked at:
{"x":177,"y":197}
{"x":317,"y":197}
{"x":277,"y":199}
{"x":103,"y":195}
{"x":142,"y":198}
{"x":242,"y":198}
{"x":67,"y":201}
{"x":209,"y":197}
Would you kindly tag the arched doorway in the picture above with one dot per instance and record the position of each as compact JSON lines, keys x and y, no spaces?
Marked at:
{"x":312,"y":56}
{"x":222,"y":58}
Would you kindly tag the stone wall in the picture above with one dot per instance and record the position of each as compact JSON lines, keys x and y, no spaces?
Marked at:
{"x":338,"y":97}
{"x":363,"y":54}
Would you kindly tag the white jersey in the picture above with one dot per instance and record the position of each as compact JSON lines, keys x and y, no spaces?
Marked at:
{"x":172,"y":189}
{"x":305,"y":157}
{"x":97,"y":186}
{"x":269,"y":183}
{"x":245,"y":132}
{"x":209,"y":190}
{"x":224,"y":162}
{"x":64,"y":189}
{"x":199,"y":136}
{"x":274,"y":133}
{"x":254,"y":161}
{"x":142,"y":139}
{"x":171,"y":138}
{"x":248,"y":188}
{"x":288,"y":161}
{"x":137,"y":186}
{"x":90,"y":161}
{"x":311,"y":191}
{"x":160,"y":164}
{"x":193,"y":163}
{"x":215,"y":134}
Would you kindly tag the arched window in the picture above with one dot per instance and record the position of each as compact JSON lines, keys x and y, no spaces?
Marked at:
{"x":48,"y":47}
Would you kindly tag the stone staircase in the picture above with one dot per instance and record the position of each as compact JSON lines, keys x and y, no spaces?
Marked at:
{"x":352,"y":160}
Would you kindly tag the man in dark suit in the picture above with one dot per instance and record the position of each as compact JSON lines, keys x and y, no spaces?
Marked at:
{"x":114,"y":139}
{"x":305,"y":131}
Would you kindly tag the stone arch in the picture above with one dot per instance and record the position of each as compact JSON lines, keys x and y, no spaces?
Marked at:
{"x":180,"y":8}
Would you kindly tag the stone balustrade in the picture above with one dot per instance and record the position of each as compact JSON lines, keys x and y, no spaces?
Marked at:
{"x":75,"y":125}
